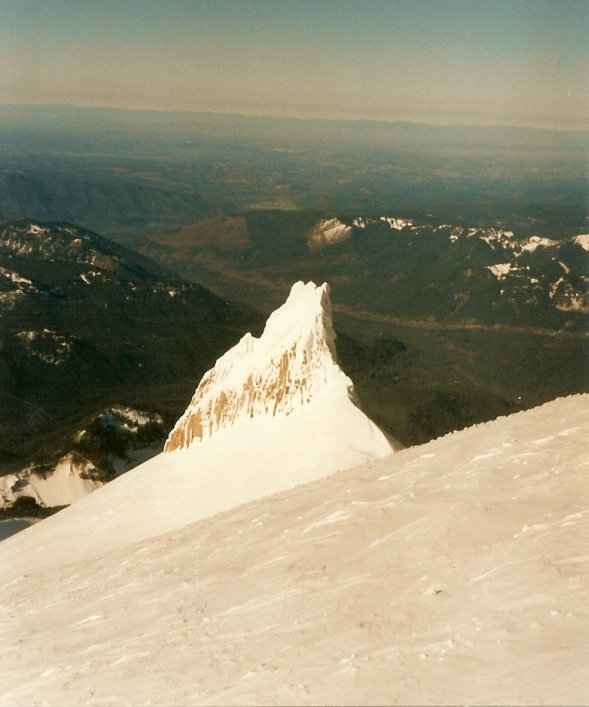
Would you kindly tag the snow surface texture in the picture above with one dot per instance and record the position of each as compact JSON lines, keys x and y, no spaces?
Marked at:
{"x":289,"y":366}
{"x":451,"y":573}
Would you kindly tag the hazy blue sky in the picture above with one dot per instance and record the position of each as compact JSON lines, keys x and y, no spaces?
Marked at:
{"x":449,"y":61}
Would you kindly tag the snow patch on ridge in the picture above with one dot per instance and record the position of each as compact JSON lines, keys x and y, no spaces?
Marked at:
{"x":15,"y":278}
{"x":328,"y":232}
{"x":536,"y":242}
{"x":395,"y":223}
{"x":46,"y":345}
{"x":568,"y":299}
{"x":68,"y":482}
{"x":500,"y":270}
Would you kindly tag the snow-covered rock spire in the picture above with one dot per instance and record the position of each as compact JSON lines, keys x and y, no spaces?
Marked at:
{"x":288,"y":367}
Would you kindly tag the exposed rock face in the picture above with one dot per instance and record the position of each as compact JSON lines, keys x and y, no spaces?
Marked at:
{"x":286,"y":368}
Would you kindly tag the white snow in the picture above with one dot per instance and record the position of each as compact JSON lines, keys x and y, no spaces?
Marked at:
{"x":128,"y":419}
{"x":456,"y":233}
{"x":582,"y":240}
{"x":73,"y":476}
{"x":9,"y":299}
{"x":432,"y":576}
{"x":38,"y":341}
{"x":535,"y":242}
{"x":328,"y":232}
{"x":133,"y":457}
{"x":64,"y":485}
{"x":394,"y":222}
{"x":567,"y":298}
{"x":500,"y":270}
{"x":16,"y":278}
{"x":91,"y":275}
{"x":397,"y":224}
{"x":496,"y":235}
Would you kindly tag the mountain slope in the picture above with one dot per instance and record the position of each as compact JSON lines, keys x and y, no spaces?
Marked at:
{"x":451,"y":324}
{"x":243,"y":438}
{"x":412,"y":268}
{"x":86,"y":325}
{"x":107,"y":201}
{"x":448,"y":573}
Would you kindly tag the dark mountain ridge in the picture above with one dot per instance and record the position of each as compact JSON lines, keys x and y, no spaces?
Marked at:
{"x":490,"y":321}
{"x":411,"y":268}
{"x":86,"y":324}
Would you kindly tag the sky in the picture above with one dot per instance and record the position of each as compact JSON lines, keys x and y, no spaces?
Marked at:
{"x":511,"y":62}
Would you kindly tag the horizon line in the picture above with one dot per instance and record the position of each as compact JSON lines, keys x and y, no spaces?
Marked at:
{"x":293,"y":118}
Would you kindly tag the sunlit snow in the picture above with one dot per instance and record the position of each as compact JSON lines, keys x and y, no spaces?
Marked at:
{"x":535,"y":242}
{"x":452,"y":573}
{"x":328,"y":232}
{"x":66,"y":483}
{"x":291,"y":365}
{"x":500,"y":270}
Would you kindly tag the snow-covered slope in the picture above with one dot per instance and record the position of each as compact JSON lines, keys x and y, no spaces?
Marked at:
{"x":136,"y":435}
{"x":66,"y":483}
{"x":450,"y":573}
{"x":273,"y":413}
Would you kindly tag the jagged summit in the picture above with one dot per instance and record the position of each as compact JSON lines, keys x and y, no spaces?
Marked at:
{"x":286,"y":368}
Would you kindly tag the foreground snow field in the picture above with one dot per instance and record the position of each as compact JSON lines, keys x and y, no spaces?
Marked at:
{"x":455,"y":572}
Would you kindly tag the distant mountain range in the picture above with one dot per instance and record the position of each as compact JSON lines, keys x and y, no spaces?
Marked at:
{"x":101,"y":203}
{"x":398,"y":267}
{"x":122,"y":172}
{"x":100,"y":348}
{"x":439,"y":326}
